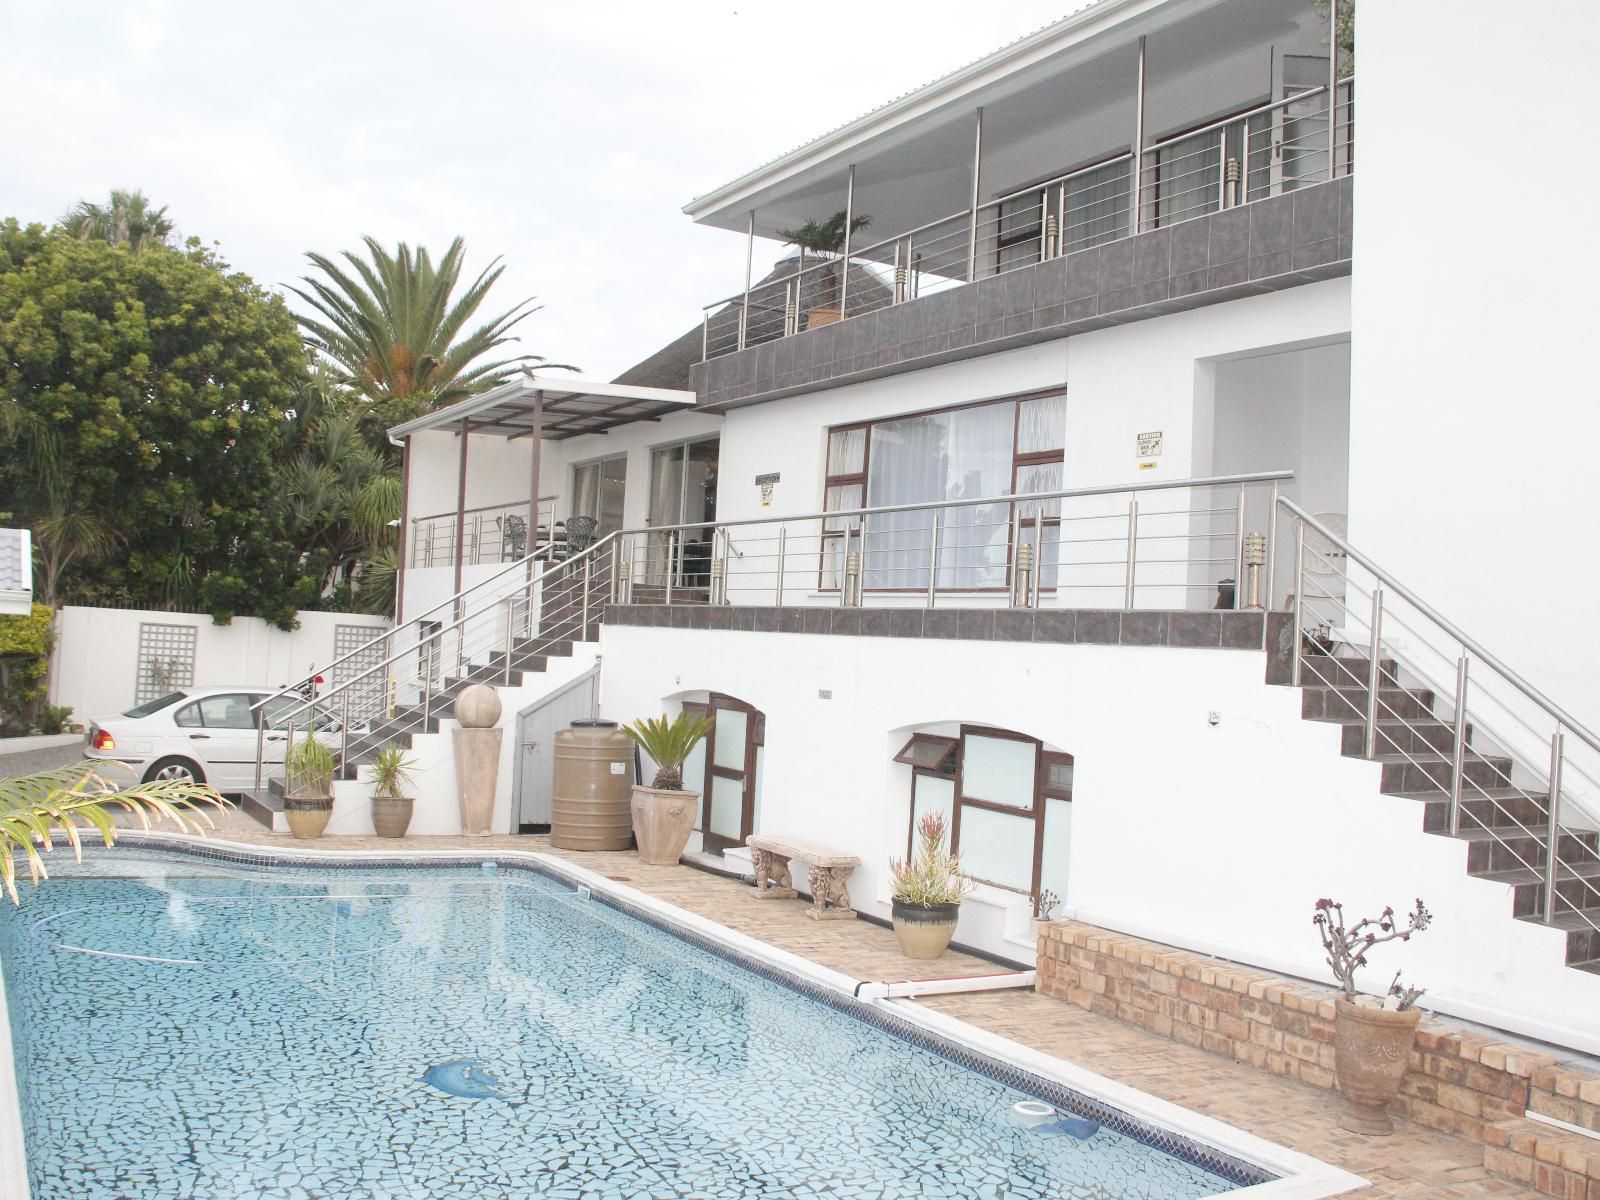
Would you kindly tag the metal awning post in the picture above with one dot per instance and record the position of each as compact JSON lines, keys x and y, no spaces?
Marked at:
{"x":461,"y":507}
{"x":977,"y":177}
{"x":749,"y":265}
{"x":1333,"y":88}
{"x":1138,"y":143}
{"x":536,"y":437}
{"x":849,"y":220}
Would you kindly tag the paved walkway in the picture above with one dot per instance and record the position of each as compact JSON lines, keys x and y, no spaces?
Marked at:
{"x":47,"y":759}
{"x":1415,"y":1163}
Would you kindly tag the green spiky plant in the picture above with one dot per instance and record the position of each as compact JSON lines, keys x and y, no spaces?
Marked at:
{"x":71,"y":799}
{"x":309,"y":769}
{"x":391,"y":772}
{"x":826,"y":240}
{"x":932,"y":877}
{"x":668,"y":741}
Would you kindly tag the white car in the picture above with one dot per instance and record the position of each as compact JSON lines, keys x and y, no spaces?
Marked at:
{"x":208,"y":734}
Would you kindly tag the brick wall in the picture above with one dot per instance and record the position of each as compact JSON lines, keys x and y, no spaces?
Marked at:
{"x":1459,"y":1082}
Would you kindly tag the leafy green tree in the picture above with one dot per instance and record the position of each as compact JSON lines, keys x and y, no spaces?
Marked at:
{"x":146,"y":396}
{"x":126,"y":219}
{"x":396,"y":328}
{"x":25,"y":643}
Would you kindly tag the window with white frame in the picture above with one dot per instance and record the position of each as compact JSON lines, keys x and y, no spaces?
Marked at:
{"x":967,"y":453}
{"x":1006,"y":800}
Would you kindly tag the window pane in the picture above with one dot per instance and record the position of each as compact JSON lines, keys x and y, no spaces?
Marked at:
{"x":924,"y":751}
{"x":942,"y":456}
{"x":844,"y":497}
{"x":1097,"y":206}
{"x":1040,"y":477}
{"x":755,"y":800}
{"x":1057,"y":845}
{"x":999,"y":770}
{"x":1042,"y":424}
{"x":932,"y":795}
{"x":227,"y":712}
{"x":847,"y":451}
{"x":727,"y":806}
{"x":997,"y":848}
{"x":188,"y":716}
{"x":729,"y":748}
{"x":1058,"y":775}
{"x":694,"y":775}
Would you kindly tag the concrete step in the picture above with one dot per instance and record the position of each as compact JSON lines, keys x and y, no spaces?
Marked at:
{"x":1421,"y":733}
{"x":1418,"y":772}
{"x":1481,"y":808}
{"x":1510,"y":848}
{"x":1344,"y":704}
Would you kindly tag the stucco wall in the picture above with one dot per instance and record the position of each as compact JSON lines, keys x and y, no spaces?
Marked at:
{"x":1214,"y":837}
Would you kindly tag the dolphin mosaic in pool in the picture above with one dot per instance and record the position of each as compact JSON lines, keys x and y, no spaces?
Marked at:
{"x":584,"y":1054}
{"x":463,"y":1077}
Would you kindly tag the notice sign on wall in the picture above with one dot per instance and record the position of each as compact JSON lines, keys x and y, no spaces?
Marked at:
{"x":766,"y":484}
{"x":1150,"y":444}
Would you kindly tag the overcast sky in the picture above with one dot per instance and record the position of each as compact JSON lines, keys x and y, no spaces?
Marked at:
{"x":565,"y":138}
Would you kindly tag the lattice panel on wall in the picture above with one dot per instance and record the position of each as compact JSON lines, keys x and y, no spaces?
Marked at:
{"x":166,"y":660}
{"x":366,"y":697}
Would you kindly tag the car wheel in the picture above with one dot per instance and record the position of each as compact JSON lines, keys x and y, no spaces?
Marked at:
{"x":167,"y":770}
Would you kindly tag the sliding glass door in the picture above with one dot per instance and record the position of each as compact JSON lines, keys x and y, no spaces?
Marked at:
{"x":683,"y":491}
{"x":598,"y":491}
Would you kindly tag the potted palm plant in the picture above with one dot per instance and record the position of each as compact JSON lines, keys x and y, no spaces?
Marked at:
{"x":927,"y":892}
{"x":1372,"y":1036}
{"x":663,"y":813}
{"x":391,"y":776}
{"x":308,"y":794}
{"x":826,"y":240}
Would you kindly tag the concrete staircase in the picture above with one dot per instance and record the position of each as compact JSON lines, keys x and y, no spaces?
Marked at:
{"x":1504,"y":826}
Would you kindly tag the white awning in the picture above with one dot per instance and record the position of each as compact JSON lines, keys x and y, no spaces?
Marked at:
{"x":561,"y":406}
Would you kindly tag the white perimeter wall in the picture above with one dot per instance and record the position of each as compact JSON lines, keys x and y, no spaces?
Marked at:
{"x":1218,"y":838}
{"x":1473,"y":414}
{"x":94,"y":669}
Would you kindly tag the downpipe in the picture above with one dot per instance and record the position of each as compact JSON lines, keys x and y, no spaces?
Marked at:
{"x":905,"y":989}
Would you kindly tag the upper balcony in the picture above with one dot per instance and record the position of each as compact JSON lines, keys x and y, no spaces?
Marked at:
{"x":1120,"y":140}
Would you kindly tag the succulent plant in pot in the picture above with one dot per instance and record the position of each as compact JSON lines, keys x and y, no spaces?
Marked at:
{"x":663,"y":814}
{"x":1372,"y":1036}
{"x":308,"y":796}
{"x":927,"y":892}
{"x":391,"y":777}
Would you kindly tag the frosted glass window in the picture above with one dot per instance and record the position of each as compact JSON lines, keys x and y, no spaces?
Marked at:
{"x":932,"y":795}
{"x":729,"y":749}
{"x":847,"y":451}
{"x":999,"y":770}
{"x":1042,"y":424}
{"x":1057,"y":847}
{"x":694,"y":774}
{"x":727,"y":806}
{"x":997,"y":848}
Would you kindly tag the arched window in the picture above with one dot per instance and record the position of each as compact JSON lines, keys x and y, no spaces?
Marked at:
{"x":1007,"y":801}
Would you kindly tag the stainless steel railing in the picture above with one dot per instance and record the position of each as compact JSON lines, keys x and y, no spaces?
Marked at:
{"x":493,"y":533}
{"x":1267,"y":151}
{"x":1511,"y":765}
{"x":1174,"y":544}
{"x":502,"y":632}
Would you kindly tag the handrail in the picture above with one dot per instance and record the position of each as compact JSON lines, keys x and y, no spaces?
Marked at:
{"x":322,"y":699}
{"x":527,"y":559}
{"x":1172,"y":139}
{"x":1566,"y":720}
{"x":479,"y":508}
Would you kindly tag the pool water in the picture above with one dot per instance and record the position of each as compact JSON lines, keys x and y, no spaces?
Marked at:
{"x":187,"y":1029}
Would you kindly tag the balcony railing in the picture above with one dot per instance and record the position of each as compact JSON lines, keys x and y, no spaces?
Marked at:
{"x":494,"y":533}
{"x":1267,"y":151}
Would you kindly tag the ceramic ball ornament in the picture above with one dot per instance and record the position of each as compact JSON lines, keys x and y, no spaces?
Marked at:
{"x":478,"y":707}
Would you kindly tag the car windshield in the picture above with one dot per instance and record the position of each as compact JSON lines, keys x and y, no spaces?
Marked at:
{"x":154,"y":706}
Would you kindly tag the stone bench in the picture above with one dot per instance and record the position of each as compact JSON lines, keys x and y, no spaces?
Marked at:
{"x":830,"y":875}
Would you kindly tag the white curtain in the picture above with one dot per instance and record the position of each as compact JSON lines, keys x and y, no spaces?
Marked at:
{"x":941,"y":456}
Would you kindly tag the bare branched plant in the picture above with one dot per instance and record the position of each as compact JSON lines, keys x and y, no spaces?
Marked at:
{"x":1347,"y":947}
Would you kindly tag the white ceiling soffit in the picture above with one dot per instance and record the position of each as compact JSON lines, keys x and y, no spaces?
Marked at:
{"x":571,"y":406}
{"x":16,"y":572}
{"x":1067,"y":43}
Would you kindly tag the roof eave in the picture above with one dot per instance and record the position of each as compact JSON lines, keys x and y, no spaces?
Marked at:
{"x":1052,"y":39}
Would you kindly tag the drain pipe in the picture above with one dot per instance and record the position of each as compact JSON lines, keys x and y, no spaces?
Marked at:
{"x":901,"y":989}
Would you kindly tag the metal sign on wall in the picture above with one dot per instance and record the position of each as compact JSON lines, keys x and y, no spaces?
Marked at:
{"x":1150,"y":444}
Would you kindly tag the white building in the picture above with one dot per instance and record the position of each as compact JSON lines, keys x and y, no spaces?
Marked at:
{"x":1147,"y":247}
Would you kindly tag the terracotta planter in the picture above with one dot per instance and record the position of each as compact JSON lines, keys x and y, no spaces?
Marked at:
{"x":925,"y":932}
{"x":391,"y":815}
{"x":662,"y":822}
{"x":818,"y":317}
{"x":307,"y":815}
{"x":1372,"y":1049}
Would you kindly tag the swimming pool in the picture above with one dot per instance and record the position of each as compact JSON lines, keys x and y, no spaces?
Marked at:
{"x":184,"y":1026}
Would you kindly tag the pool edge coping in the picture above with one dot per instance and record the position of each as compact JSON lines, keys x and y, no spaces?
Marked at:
{"x":1300,"y":1176}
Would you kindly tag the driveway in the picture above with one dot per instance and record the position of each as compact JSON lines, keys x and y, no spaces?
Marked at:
{"x":30,"y":761}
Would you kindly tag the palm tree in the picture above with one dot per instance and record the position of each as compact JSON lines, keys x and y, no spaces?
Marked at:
{"x":395,"y":328}
{"x":34,"y":807}
{"x":127,"y":219}
{"x":826,"y":240}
